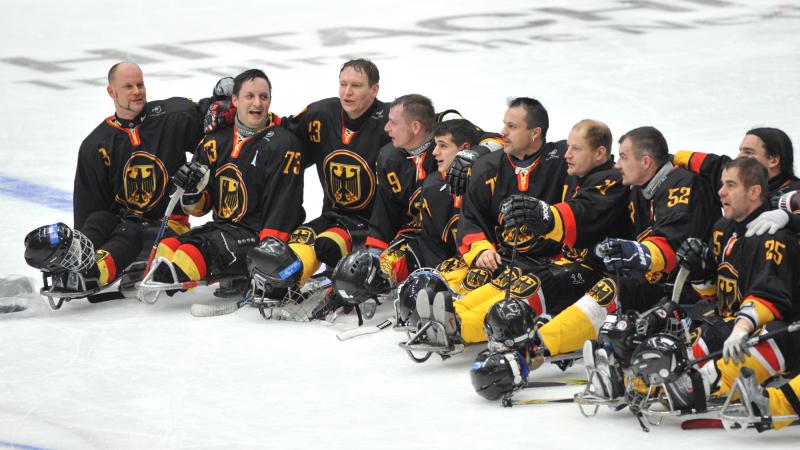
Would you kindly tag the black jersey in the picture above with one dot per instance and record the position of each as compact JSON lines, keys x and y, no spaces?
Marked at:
{"x":126,"y":165}
{"x":398,"y":200}
{"x":595,"y":208}
{"x":682,"y":205}
{"x":256,"y":181}
{"x":344,"y":151}
{"x":709,"y":166}
{"x":439,"y":228}
{"x":497,"y":176}
{"x":758,"y":269}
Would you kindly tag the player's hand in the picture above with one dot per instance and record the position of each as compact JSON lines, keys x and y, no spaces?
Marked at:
{"x":767,"y":222}
{"x":698,"y":259}
{"x":459,"y":171}
{"x":789,"y":202}
{"x":629,"y":257}
{"x":736,"y":345}
{"x":223,"y":90}
{"x":192,"y":177}
{"x":488,"y":259}
{"x":220,"y":114}
{"x":520,"y":209}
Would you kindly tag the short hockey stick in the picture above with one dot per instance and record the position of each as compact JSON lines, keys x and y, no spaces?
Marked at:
{"x":361,"y":331}
{"x":219,"y":309}
{"x":173,"y":200}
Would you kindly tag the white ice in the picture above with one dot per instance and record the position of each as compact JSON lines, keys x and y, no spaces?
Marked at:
{"x":129,"y":375}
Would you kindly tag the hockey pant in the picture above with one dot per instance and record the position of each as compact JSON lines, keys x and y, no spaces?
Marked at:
{"x":212,"y":250}
{"x":546,"y":285}
{"x":326,"y":239}
{"x":582,"y":320}
{"x":769,"y":358}
{"x":783,"y":401}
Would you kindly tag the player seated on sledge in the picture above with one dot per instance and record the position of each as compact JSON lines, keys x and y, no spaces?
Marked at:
{"x":428,"y":239}
{"x":752,"y":282}
{"x":121,"y":187}
{"x":249,"y":175}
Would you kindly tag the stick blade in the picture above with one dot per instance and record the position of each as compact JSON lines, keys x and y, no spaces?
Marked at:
{"x":215,"y":309}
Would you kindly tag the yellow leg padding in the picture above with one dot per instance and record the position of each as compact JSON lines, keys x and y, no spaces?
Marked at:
{"x":567,"y":331}
{"x":104,"y":277}
{"x":730,"y":370}
{"x":454,"y":279}
{"x":472,"y":316}
{"x":477,"y":297}
{"x":779,"y":405}
{"x":165,"y":251}
{"x":308,"y":257}
{"x":187,"y":265}
{"x":177,"y":226}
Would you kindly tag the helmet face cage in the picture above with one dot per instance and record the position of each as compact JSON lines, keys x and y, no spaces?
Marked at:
{"x":659,"y":362}
{"x":80,"y":255}
{"x":510,"y":324}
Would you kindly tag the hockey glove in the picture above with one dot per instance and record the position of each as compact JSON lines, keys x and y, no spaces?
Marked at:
{"x":192,"y":177}
{"x":223,"y":90}
{"x":459,"y":171}
{"x":736,"y":345}
{"x":629,"y":257}
{"x":220,"y":114}
{"x":698,"y":259}
{"x":790,"y":202}
{"x":767,"y":222}
{"x":522,"y":209}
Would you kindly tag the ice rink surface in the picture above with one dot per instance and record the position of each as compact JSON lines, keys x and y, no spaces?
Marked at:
{"x":129,"y":375}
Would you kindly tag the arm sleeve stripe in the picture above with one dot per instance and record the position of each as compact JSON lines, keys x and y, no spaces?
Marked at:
{"x":764,"y":309}
{"x":664,"y":259}
{"x":565,"y":226}
{"x":377,"y":243}
{"x":270,"y":232}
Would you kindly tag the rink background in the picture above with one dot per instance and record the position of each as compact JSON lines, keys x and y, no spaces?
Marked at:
{"x":128,"y":375}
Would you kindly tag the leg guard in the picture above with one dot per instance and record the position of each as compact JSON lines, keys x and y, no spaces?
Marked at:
{"x":784,"y":401}
{"x":454,"y":271}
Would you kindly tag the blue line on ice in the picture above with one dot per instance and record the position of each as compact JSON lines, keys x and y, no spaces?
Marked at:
{"x":36,"y":193}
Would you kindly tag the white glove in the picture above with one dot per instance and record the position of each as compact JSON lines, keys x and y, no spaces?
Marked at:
{"x":735,"y":346}
{"x":767,"y":222}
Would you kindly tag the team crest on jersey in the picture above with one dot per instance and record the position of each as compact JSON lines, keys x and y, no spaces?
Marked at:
{"x":476,"y":278}
{"x":232,"y":193}
{"x":574,"y":254}
{"x":524,"y":238}
{"x":350,"y":183}
{"x":728,"y":294}
{"x":451,"y":264}
{"x":501,"y":281}
{"x":145,"y":182}
{"x":451,"y":229}
{"x":603,"y":292}
{"x":525,"y":286}
{"x":303,"y":235}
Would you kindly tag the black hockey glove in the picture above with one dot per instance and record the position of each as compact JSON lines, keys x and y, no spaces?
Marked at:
{"x":698,"y":259}
{"x":666,"y":316}
{"x":192,"y":177}
{"x":519,"y":209}
{"x":459,"y":171}
{"x":631,"y":258}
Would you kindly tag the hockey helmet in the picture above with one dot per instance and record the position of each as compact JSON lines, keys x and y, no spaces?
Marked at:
{"x":428,"y":280}
{"x":620,"y":336}
{"x":494,"y":375}
{"x":358,"y":277}
{"x":56,"y":248}
{"x":273,"y":265}
{"x":510,"y":322}
{"x":661,"y":361}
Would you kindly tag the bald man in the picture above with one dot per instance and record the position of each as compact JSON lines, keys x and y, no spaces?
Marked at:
{"x":121,"y":185}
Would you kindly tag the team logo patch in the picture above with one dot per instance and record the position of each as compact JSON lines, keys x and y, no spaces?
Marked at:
{"x":654,"y":277}
{"x":415,"y":209}
{"x":232,"y":193}
{"x":303,"y":235}
{"x":524,"y":237}
{"x":145,"y":182}
{"x":451,"y":264}
{"x":476,"y":278}
{"x":501,"y":281}
{"x":603,"y":292}
{"x":525,"y":286}
{"x":350,"y":183}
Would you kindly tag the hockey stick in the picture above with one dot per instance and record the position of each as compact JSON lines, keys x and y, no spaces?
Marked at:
{"x":361,"y":331}
{"x":509,"y":402}
{"x":755,"y":340}
{"x":511,"y":265}
{"x":173,"y":200}
{"x":556,"y":383}
{"x":680,"y":280}
{"x":219,"y":309}
{"x":709,"y":423}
